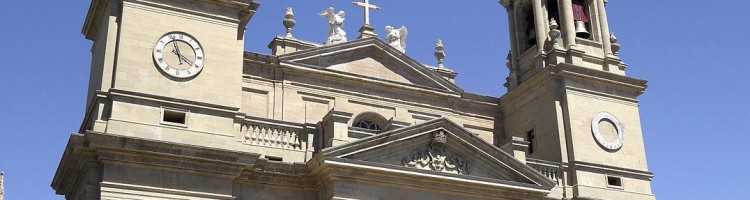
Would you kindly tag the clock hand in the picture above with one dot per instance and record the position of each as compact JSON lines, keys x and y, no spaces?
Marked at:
{"x":177,"y":48}
{"x":186,"y":60}
{"x":177,"y":53}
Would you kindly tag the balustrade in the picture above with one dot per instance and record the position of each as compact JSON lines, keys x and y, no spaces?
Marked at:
{"x":272,"y":135}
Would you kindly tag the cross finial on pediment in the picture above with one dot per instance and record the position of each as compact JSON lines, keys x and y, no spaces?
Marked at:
{"x":367,"y":29}
{"x":366,"y":6}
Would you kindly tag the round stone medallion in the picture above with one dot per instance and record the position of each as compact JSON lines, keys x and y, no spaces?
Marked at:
{"x":608,"y":131}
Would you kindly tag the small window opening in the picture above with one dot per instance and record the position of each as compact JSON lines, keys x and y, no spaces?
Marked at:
{"x":173,"y":116}
{"x":531,"y":139}
{"x":369,"y":125}
{"x":274,"y":158}
{"x":614,"y":181}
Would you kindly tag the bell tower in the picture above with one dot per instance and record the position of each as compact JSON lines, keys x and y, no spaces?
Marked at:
{"x":570,"y":100}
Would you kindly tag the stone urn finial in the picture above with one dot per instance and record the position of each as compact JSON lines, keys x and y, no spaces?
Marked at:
{"x":439,"y":53}
{"x":615,"y":46}
{"x":289,"y":21}
{"x":554,"y":31}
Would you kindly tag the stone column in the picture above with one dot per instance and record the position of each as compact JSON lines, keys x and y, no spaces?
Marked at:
{"x":540,"y":24}
{"x":513,"y":44}
{"x":604,"y":27}
{"x":568,"y":29}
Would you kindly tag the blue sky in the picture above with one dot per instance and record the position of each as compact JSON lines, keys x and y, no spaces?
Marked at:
{"x":695,"y":113}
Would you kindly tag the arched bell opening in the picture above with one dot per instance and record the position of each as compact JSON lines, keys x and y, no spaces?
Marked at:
{"x":582,"y":18}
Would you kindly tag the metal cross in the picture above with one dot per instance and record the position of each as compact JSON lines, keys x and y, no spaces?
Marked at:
{"x":367,"y":6}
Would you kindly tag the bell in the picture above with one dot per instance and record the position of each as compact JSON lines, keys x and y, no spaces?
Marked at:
{"x":532,"y":37}
{"x":581,"y":31}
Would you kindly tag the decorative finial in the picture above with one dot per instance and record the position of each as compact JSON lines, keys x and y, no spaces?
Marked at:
{"x":289,"y":21}
{"x":439,"y":53}
{"x":553,"y":23}
{"x":554,"y":31}
{"x":336,"y":33}
{"x":397,"y":37}
{"x":615,"y":46}
{"x":366,"y":30}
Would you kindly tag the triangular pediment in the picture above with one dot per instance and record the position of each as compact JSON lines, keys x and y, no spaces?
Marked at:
{"x":370,"y":58}
{"x":443,"y":148}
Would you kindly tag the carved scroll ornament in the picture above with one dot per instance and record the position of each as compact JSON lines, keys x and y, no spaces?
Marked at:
{"x":436,"y":158}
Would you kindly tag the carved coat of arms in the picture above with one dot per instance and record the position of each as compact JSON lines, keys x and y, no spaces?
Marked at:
{"x":436,"y":157}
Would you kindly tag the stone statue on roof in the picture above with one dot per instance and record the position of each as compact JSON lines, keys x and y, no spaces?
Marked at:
{"x":397,"y":37}
{"x":336,"y":33}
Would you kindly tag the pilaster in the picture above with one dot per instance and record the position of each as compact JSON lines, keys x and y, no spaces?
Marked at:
{"x":517,"y":147}
{"x":336,"y":128}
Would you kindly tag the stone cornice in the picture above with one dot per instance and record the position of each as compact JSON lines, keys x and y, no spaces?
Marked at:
{"x":637,"y":174}
{"x":97,"y":148}
{"x":381,"y":47}
{"x":292,"y":41}
{"x":119,"y":93}
{"x":422,"y":175}
{"x":564,"y":71}
{"x":620,"y":81}
{"x":99,"y":8}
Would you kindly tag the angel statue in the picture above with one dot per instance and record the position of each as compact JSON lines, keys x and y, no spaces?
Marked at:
{"x":336,"y":33}
{"x":397,"y":37}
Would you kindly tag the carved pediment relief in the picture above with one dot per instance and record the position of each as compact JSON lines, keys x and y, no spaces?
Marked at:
{"x":439,"y":147}
{"x":436,"y":157}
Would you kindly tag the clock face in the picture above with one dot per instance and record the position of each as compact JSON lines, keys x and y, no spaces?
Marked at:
{"x":608,"y":131}
{"x":179,"y":55}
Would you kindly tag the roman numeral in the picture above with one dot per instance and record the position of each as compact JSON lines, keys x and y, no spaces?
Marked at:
{"x":199,"y":58}
{"x":172,"y":36}
{"x":161,"y":60}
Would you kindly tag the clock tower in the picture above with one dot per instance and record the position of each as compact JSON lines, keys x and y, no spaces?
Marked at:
{"x":166,"y":69}
{"x":571,"y":101}
{"x":161,"y":70}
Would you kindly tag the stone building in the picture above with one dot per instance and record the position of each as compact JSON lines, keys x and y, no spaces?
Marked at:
{"x":2,"y":185}
{"x":177,"y":109}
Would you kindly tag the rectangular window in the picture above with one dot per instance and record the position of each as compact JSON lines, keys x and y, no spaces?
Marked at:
{"x":173,"y":116}
{"x":274,"y":158}
{"x":614,"y":182}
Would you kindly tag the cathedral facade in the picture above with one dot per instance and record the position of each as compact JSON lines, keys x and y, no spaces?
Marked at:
{"x":177,"y":109}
